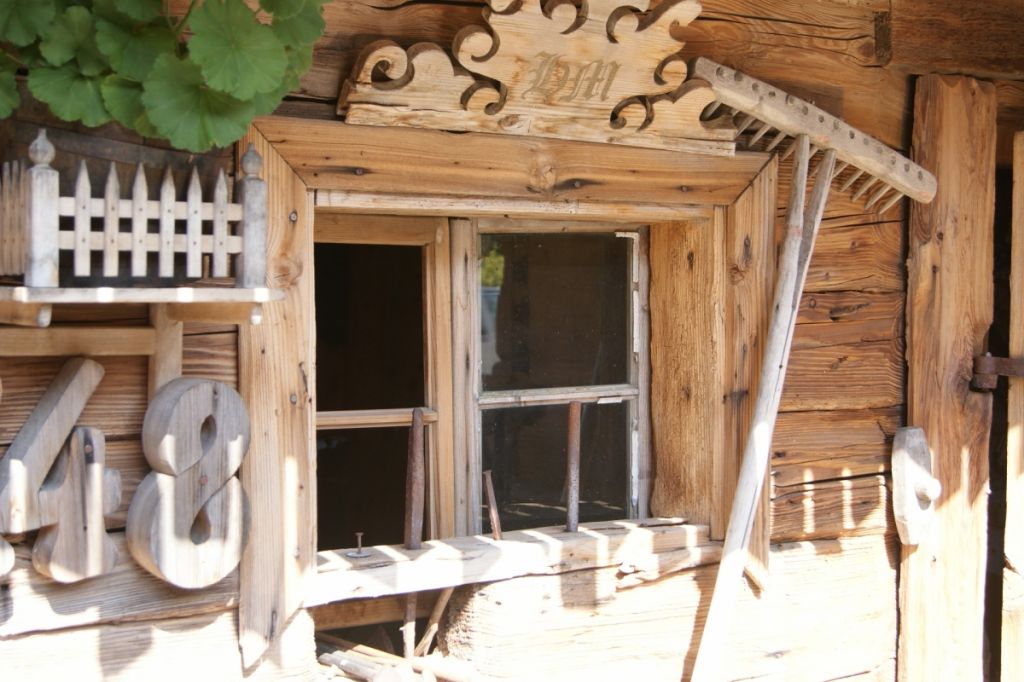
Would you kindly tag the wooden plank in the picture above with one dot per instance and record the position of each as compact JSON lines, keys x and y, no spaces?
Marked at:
{"x":111,"y":228}
{"x":437,"y":314}
{"x":343,"y":228}
{"x":862,"y":258}
{"x":25,"y":314}
{"x":847,"y":376}
{"x":1010,"y":119}
{"x":391,"y":570}
{"x":212,"y":356}
{"x":142,"y":295}
{"x":949,"y":310}
{"x":196,"y":647}
{"x":1013,"y":535}
{"x":465,"y":252}
{"x":687,"y":366}
{"x":334,"y":156}
{"x":140,"y":226}
{"x":83,"y":223}
{"x":749,"y":264}
{"x":520,"y":208}
{"x":510,"y":226}
{"x":117,"y":406}
{"x":366,"y":419}
{"x":356,"y":612}
{"x":127,"y":593}
{"x":220,"y":227}
{"x":278,"y":471}
{"x":194,"y":227}
{"x":829,"y":509}
{"x":980,"y":39}
{"x":77,"y":340}
{"x":591,"y":624}
{"x":825,"y":445}
{"x":166,"y":258}
{"x":556,"y":396}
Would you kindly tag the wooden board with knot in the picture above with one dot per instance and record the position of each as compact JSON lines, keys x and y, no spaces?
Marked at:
{"x":603,"y":72}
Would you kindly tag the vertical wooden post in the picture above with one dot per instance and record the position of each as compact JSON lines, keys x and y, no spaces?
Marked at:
{"x":42,"y":255}
{"x":1013,"y":539}
{"x":949,"y":311}
{"x":252,"y":262}
{"x":572,"y":468}
{"x":279,"y":471}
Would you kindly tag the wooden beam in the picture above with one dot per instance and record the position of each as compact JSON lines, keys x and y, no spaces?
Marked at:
{"x":276,"y":380}
{"x":949,"y":310}
{"x":1013,"y":536}
{"x":356,"y":612}
{"x":77,"y":340}
{"x":25,"y":314}
{"x":366,"y":419}
{"x":391,"y":569}
{"x":976,"y":38}
{"x":330,"y":155}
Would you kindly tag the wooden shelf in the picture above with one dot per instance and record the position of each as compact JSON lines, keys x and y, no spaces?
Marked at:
{"x":133,"y":295}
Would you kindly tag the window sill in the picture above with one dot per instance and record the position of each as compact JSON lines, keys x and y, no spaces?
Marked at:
{"x":643,"y":549}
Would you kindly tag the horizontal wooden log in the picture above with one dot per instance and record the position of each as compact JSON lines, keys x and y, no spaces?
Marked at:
{"x":818,"y":446}
{"x":822,"y":334}
{"x":116,"y":407}
{"x":845,"y":377}
{"x":391,"y":570}
{"x":34,"y":603}
{"x":335,"y":156}
{"x":211,"y":356}
{"x":592,"y":624}
{"x":843,"y":306}
{"x":356,"y":612}
{"x":831,"y":509}
{"x":77,"y":340}
{"x":201,"y":647}
{"x":976,"y":38}
{"x":862,"y":258}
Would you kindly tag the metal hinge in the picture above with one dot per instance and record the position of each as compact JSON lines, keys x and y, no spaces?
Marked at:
{"x":988,"y":369}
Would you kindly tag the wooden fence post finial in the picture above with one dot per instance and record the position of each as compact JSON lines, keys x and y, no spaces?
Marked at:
{"x":252,"y":162}
{"x":41,"y":262}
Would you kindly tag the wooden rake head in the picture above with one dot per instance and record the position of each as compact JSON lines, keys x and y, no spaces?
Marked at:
{"x":768,"y":119}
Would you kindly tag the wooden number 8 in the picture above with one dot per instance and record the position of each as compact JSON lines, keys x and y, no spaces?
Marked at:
{"x":186,"y":523}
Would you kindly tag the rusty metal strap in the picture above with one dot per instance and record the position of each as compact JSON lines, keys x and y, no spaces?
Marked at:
{"x":988,"y":369}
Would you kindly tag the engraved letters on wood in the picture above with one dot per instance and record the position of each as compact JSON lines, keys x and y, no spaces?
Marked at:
{"x":603,"y":71}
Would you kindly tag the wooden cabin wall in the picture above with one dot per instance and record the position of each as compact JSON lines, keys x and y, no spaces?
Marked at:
{"x":833,"y":579}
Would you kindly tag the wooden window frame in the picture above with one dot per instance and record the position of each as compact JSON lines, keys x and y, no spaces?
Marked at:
{"x":319,"y":166}
{"x":431,"y":235}
{"x":471,"y":400}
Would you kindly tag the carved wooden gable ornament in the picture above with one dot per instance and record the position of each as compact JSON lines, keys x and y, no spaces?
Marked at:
{"x":598,"y":70}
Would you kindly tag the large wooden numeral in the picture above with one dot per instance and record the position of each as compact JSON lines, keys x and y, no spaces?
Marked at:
{"x":186,"y":523}
{"x":80,"y":492}
{"x":24,"y":467}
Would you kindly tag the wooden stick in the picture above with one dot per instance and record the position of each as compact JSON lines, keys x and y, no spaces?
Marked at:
{"x":434,"y":621}
{"x":414,"y":493}
{"x":801,"y":231}
{"x":492,"y":506}
{"x":572,"y":468}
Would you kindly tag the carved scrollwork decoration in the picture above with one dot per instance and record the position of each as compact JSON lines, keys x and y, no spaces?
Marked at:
{"x":597,"y":70}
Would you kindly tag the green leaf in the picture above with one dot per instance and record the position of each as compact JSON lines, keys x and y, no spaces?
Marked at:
{"x":9,"y":97}
{"x":187,"y":112}
{"x":71,"y":96}
{"x":237,"y":54}
{"x":302,"y":28}
{"x":140,"y":10}
{"x":282,"y":9}
{"x":123,"y":99}
{"x":22,"y":20}
{"x":72,"y":37}
{"x":132,"y":51}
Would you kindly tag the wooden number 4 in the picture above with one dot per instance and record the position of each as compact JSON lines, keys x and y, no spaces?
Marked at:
{"x":186,"y":520}
{"x":57,"y":483}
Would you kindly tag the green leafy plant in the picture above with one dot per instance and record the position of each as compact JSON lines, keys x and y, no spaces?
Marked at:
{"x":196,"y":80}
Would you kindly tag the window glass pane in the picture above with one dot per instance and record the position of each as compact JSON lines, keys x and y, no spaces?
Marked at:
{"x":525,"y":449}
{"x":369,"y":326}
{"x":554,"y":310}
{"x":360,"y":486}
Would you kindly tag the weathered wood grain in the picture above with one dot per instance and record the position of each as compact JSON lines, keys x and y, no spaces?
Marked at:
{"x":845,"y":376}
{"x":949,"y":310}
{"x":356,"y":612}
{"x":864,"y":257}
{"x":590,"y":624}
{"x":203,"y":647}
{"x":335,"y":156}
{"x":1010,"y":119}
{"x":832,"y":444}
{"x":278,"y":472}
{"x":977,"y":38}
{"x":126,"y":593}
{"x":829,"y":509}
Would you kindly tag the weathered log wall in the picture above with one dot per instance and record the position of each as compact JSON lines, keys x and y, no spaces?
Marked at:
{"x":844,"y":398}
